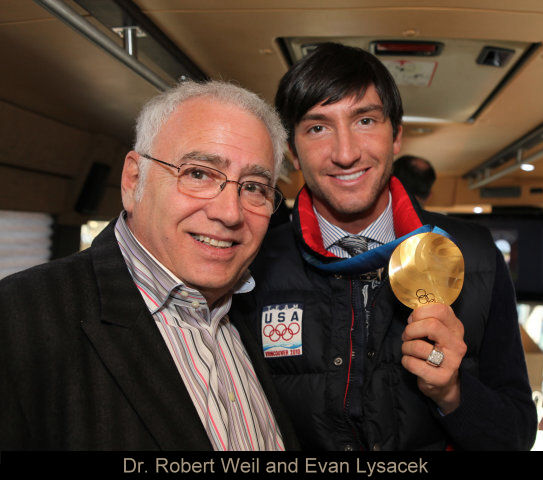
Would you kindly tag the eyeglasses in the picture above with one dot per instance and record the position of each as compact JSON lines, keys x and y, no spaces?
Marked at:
{"x":205,"y":182}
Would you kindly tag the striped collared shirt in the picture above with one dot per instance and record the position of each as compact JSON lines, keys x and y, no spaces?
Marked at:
{"x":207,"y":351}
{"x":381,"y":231}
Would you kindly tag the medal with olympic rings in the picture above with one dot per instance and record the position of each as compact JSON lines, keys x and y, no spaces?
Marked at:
{"x":426,"y":268}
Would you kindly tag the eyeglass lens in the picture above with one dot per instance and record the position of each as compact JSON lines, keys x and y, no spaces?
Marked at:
{"x":205,"y":182}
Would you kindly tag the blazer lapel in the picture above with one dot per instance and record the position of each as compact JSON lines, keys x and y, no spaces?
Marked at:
{"x":134,"y":352}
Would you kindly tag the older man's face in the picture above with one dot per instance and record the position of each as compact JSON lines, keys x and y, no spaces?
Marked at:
{"x":206,"y":243}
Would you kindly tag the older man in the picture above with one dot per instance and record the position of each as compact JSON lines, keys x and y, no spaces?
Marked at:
{"x":128,"y":345}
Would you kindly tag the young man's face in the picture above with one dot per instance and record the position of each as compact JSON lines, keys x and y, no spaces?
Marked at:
{"x":206,"y":243}
{"x":345,"y":151}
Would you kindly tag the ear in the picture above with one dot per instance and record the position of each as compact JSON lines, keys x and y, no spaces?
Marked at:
{"x":129,"y":180}
{"x":397,"y":145}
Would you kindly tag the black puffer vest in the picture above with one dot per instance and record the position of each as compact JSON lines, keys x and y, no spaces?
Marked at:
{"x":316,"y":379}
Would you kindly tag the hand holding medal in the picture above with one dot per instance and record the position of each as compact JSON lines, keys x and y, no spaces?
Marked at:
{"x":427,"y":270}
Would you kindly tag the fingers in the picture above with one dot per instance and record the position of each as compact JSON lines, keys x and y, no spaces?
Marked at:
{"x":435,"y":310}
{"x":430,"y":328}
{"x":417,"y":348}
{"x":415,"y":356}
{"x":421,"y":336}
{"x":436,"y":322}
{"x":435,"y":326}
{"x":429,"y":376}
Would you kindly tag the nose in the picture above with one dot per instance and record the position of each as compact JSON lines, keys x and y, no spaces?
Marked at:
{"x":226,"y":207}
{"x":346,"y":147}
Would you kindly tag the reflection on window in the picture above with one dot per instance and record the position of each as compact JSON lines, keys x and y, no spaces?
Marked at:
{"x":505,"y":247}
{"x":507,"y":242}
{"x":25,"y":240}
{"x":531,"y":318}
{"x":89,"y":231}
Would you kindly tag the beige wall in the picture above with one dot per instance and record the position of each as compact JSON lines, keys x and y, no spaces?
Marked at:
{"x":44,"y":163}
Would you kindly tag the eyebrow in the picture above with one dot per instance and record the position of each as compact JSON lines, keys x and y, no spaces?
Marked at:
{"x":212,"y":158}
{"x":218,"y":161}
{"x":257,"y":170}
{"x":372,"y":107}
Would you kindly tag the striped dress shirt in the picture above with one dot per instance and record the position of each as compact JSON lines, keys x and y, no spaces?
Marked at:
{"x":381,"y":231}
{"x":207,"y":351}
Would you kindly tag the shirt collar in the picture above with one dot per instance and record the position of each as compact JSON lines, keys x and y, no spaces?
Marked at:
{"x":380,"y":231}
{"x":156,"y":283}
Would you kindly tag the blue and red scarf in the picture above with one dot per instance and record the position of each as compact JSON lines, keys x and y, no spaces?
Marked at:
{"x":406,"y":223}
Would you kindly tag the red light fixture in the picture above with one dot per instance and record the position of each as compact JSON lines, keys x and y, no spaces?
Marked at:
{"x":402,"y":48}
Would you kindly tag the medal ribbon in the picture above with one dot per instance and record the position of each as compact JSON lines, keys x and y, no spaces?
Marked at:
{"x":372,"y":259}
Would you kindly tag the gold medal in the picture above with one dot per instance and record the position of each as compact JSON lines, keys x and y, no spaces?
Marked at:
{"x":426,"y":268}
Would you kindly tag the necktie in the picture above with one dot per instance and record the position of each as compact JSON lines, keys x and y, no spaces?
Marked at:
{"x":354,"y":244}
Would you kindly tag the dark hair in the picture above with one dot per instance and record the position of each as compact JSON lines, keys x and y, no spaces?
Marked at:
{"x":416,"y":174}
{"x":330,"y":73}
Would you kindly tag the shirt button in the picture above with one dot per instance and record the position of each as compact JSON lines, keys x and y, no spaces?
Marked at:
{"x":348,"y":448}
{"x":195,"y":303}
{"x":184,"y":293}
{"x":231,"y":396}
{"x":338,"y":276}
{"x":376,"y":448}
{"x":338,"y":361}
{"x":371,"y":354}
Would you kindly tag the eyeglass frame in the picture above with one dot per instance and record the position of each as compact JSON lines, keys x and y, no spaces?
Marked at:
{"x":278,"y":195}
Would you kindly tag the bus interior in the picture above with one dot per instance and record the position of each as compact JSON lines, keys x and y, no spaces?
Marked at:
{"x":76,"y":73}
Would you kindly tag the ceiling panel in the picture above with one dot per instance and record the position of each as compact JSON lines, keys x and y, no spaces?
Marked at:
{"x":456,"y":84}
{"x":57,"y":73}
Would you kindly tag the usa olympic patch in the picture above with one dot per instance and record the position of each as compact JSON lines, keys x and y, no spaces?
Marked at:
{"x":282,"y":330}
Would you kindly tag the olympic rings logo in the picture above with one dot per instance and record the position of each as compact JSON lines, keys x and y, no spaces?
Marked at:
{"x":424,"y":297}
{"x":281,"y":331}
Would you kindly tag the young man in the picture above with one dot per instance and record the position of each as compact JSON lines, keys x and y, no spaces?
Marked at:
{"x":128,"y":345}
{"x":354,"y":367}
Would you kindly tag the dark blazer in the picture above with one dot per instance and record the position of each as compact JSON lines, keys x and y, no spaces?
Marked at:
{"x":84,"y":367}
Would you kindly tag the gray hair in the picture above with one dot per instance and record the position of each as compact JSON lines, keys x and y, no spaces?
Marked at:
{"x":157,"y":111}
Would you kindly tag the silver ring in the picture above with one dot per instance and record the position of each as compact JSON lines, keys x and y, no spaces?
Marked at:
{"x":435,"y":358}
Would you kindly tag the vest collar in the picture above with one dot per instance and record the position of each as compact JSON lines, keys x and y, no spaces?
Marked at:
{"x":406,"y":218}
